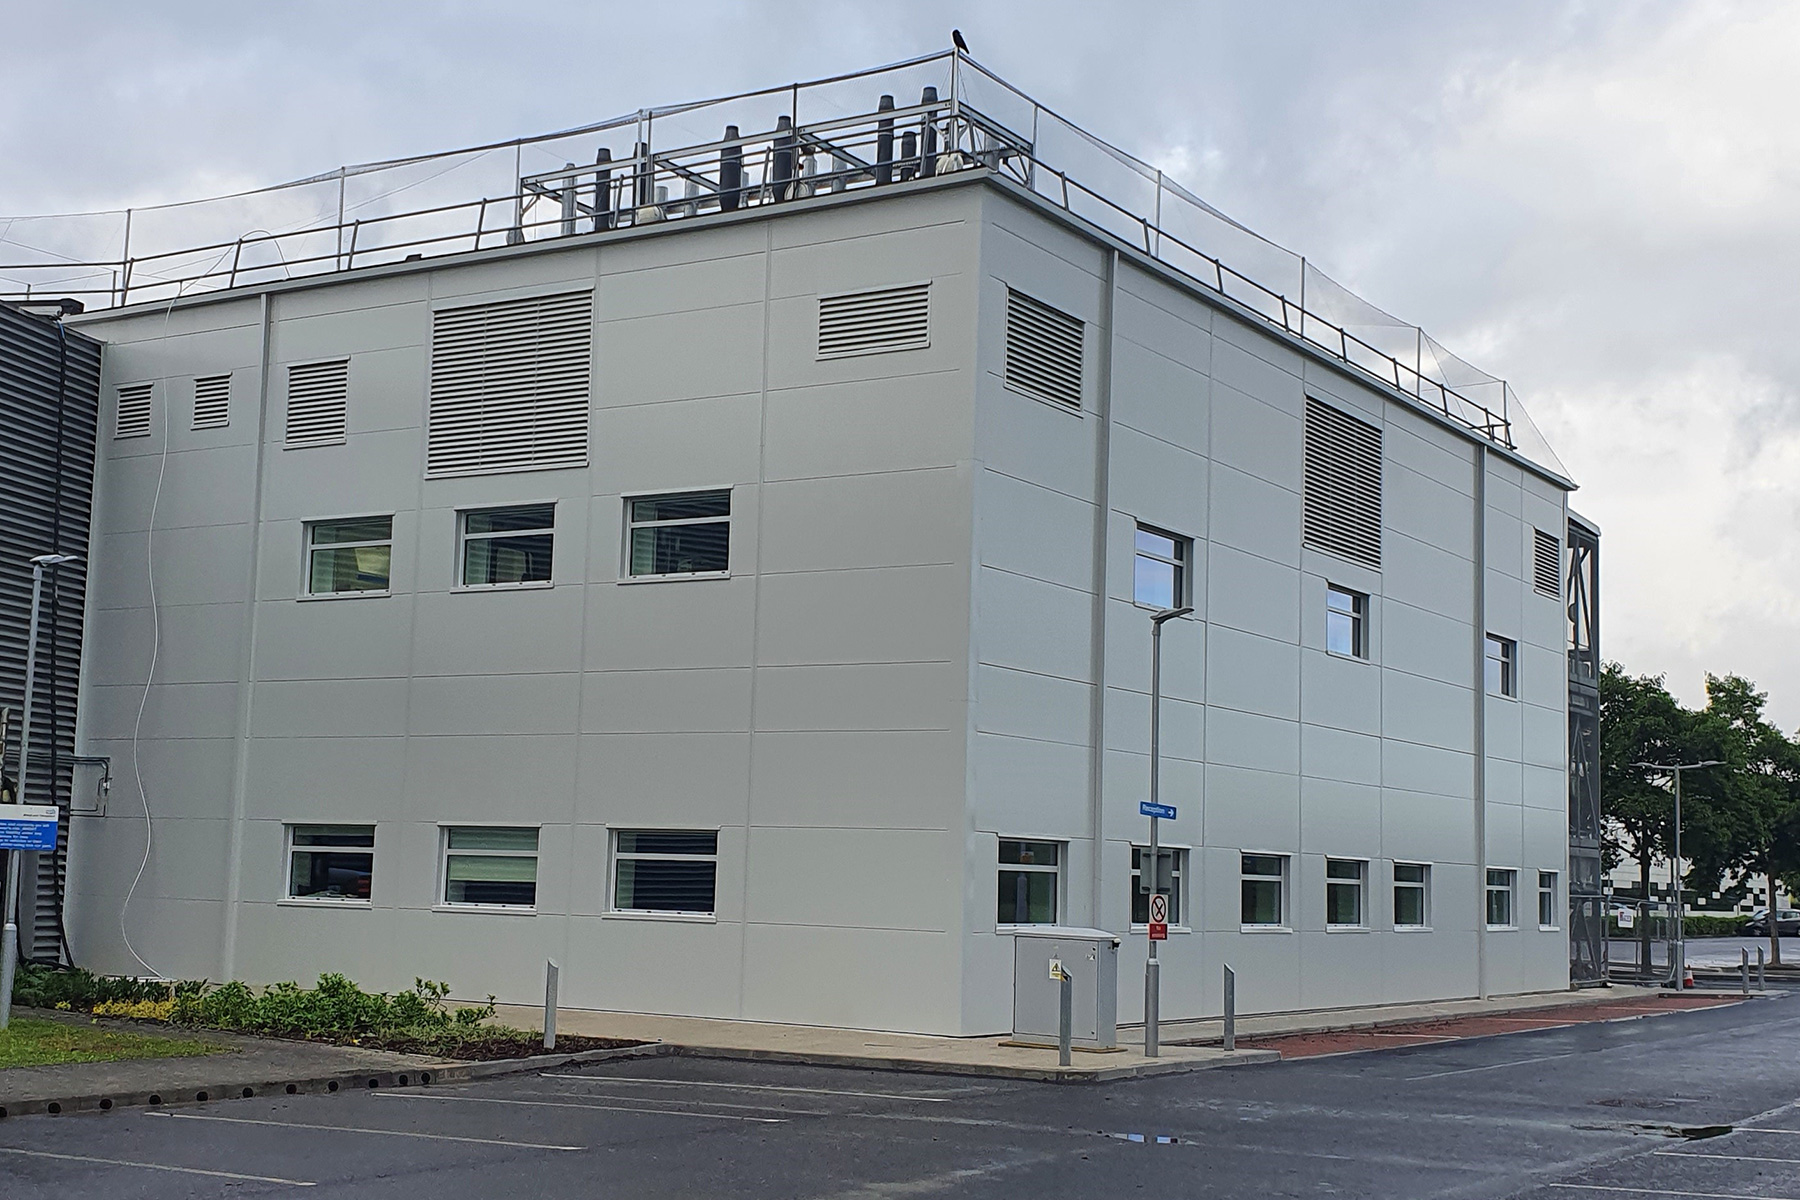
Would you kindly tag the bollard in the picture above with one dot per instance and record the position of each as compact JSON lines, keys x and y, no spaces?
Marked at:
{"x":1065,"y":1020}
{"x":1760,"y":986}
{"x":551,"y":974}
{"x":1745,"y":966}
{"x":1230,"y":1009}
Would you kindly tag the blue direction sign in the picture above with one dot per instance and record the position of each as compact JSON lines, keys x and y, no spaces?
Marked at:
{"x":1147,"y":809}
{"x":27,"y":827}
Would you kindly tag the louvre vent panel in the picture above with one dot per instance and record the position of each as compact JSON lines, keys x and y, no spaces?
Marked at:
{"x":1547,"y":564}
{"x":1343,"y":485}
{"x":131,"y":416}
{"x":509,"y":385}
{"x":878,"y":322}
{"x":212,"y":402}
{"x":1043,"y":350}
{"x":318,"y":403}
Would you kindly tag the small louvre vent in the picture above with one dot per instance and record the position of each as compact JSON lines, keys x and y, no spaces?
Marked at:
{"x":1343,"y":484}
{"x":1043,"y":350}
{"x":318,"y":400}
{"x":875,"y":322}
{"x":212,"y":402}
{"x":1547,"y":564}
{"x":131,"y":418}
{"x":510,"y":385}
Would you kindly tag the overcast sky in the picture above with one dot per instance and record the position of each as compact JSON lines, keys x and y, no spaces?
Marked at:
{"x":1599,"y":202}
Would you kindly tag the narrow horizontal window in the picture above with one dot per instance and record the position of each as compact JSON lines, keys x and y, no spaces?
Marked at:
{"x":665,"y":871}
{"x":345,"y":557}
{"x":503,"y":546}
{"x":687,"y":533}
{"x":490,"y":865}
{"x":330,"y":862}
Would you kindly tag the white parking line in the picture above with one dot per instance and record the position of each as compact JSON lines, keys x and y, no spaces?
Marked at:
{"x":430,"y":1137}
{"x":636,"y":1103}
{"x":1491,"y":1066}
{"x":1722,"y":1157}
{"x":624,"y":1108}
{"x":122,"y":1162}
{"x":1653,"y":1190}
{"x":752,"y":1087}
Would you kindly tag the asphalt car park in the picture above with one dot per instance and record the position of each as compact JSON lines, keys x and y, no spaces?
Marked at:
{"x":1699,"y":1103}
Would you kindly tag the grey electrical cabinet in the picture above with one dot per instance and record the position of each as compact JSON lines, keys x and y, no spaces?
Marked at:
{"x":1091,"y":958}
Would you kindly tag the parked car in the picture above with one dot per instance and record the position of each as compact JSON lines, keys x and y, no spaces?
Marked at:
{"x":1787,"y":923}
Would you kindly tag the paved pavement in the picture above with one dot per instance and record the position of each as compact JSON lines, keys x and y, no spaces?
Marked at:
{"x":1596,"y":1110}
{"x":1724,"y":952}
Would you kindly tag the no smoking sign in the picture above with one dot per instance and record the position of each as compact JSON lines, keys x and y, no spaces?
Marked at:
{"x":1159,"y":917}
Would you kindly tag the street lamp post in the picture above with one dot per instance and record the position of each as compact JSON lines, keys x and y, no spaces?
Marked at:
{"x":1153,"y":869}
{"x":1678,"y":950}
{"x":9,"y":938}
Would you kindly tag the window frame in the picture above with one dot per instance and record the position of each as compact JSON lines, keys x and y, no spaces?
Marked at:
{"x":1181,"y":920}
{"x":464,"y":537}
{"x":307,"y":548}
{"x":1422,"y":885}
{"x":1510,"y":889}
{"x":445,"y":850}
{"x":1359,"y":622}
{"x":1361,"y":884}
{"x":631,"y":498}
{"x":615,"y":856}
{"x":1056,"y":870}
{"x":289,"y":849}
{"x":1551,"y":893}
{"x":1508,"y":658}
{"x":1181,"y":559}
{"x":1284,"y":900}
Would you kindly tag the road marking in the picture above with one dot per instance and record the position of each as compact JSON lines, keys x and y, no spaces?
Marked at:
{"x":430,"y":1137}
{"x":636,"y":1103}
{"x":122,"y":1162}
{"x":1723,"y":1157}
{"x":634,"y":1108}
{"x":755,"y":1087}
{"x":1746,"y":1129}
{"x":1492,"y":1066}
{"x":1653,"y":1190}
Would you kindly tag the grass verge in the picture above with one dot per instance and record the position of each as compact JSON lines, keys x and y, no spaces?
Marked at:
{"x":34,"y":1042}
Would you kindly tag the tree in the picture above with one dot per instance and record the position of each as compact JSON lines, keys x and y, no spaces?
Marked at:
{"x":1639,"y":722}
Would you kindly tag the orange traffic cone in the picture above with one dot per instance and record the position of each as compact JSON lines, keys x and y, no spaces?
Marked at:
{"x":1687,"y":976}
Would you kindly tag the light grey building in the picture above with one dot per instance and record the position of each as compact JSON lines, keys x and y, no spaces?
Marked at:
{"x":743,"y":599}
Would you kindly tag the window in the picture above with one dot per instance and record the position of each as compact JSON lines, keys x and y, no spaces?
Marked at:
{"x":1500,"y":886}
{"x":1265,"y":888}
{"x":488,"y":865}
{"x":344,"y":557}
{"x":1502,"y":666}
{"x":1159,"y":574}
{"x":330,"y":862}
{"x":502,"y":546}
{"x":1171,"y":870}
{"x":1547,"y":906}
{"x":1346,"y":880}
{"x":1346,"y":621}
{"x":1412,"y":895}
{"x":669,"y":871}
{"x":684,"y":534}
{"x":1030,"y":878}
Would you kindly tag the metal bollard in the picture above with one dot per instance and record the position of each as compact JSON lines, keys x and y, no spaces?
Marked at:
{"x":1230,"y":1009}
{"x":1065,"y":1019}
{"x":1745,"y":967}
{"x":552,"y":973}
{"x":1760,"y":985}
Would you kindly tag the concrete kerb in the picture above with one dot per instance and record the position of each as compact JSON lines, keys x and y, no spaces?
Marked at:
{"x":1132,"y":1069}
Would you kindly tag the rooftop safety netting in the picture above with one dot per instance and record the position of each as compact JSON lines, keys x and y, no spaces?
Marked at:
{"x":932,"y":115}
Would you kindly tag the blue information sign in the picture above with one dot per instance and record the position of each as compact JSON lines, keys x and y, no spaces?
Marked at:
{"x":1147,"y":809}
{"x":27,"y":827}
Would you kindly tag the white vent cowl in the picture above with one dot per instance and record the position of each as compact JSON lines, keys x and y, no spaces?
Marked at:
{"x":1343,"y":485}
{"x":318,"y":403}
{"x":131,"y":416}
{"x":212,"y":402}
{"x":877,"y":322}
{"x":509,"y":385}
{"x":1043,"y":351}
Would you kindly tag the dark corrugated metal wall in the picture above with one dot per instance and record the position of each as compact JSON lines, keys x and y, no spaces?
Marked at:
{"x":49,"y":406}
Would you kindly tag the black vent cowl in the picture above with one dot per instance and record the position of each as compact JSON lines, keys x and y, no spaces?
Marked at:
{"x":1343,"y":485}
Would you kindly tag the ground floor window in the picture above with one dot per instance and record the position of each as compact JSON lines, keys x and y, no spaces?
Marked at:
{"x":486,"y":864}
{"x":1030,"y":880}
{"x":1171,"y":872}
{"x":330,"y":862}
{"x":1264,"y":889}
{"x":1500,"y":887}
{"x":1412,"y":895}
{"x":1547,"y":906}
{"x":1346,"y":881}
{"x":669,"y":871}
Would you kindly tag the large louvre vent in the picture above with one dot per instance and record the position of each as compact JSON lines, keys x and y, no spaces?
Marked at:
{"x":1343,"y":484}
{"x":212,"y":402}
{"x":1547,"y":564}
{"x":510,"y":385}
{"x":1043,"y":350}
{"x":131,"y":416}
{"x":875,"y":322}
{"x":318,"y":403}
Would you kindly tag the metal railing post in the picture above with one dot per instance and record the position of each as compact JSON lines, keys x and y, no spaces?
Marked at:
{"x":1230,"y":1009}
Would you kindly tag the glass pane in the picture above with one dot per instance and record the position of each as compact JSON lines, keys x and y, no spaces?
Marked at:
{"x":1409,"y":873}
{"x":1496,"y":685}
{"x":1497,"y":878}
{"x":668,"y":842}
{"x":349,"y":569}
{"x":490,"y":879}
{"x":476,"y":837}
{"x":1027,"y":898}
{"x":681,"y":508}
{"x":524,"y":559}
{"x":681,"y":549}
{"x":1169,"y":881}
{"x":1156,"y":543}
{"x":1409,"y":905}
{"x":1155,"y":583}
{"x":1340,"y":633}
{"x":1341,"y":868}
{"x":368,"y":529}
{"x":500,"y":520}
{"x":665,"y":885}
{"x":1262,"y":864}
{"x":1499,"y":907}
{"x":1546,"y":908}
{"x":333,"y":874}
{"x":1343,"y":904}
{"x":334,"y":835}
{"x":1338,"y":600}
{"x":1041,"y":854}
{"x":1547,"y":879}
{"x":1262,"y":902}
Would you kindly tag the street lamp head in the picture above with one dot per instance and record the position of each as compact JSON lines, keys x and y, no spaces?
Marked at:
{"x":54,"y":560}
{"x":1169,"y":614}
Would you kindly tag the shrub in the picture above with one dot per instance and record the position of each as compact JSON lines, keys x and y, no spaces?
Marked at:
{"x":140,"y":1010}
